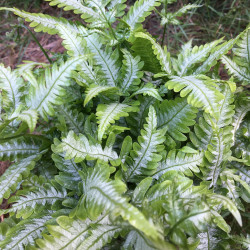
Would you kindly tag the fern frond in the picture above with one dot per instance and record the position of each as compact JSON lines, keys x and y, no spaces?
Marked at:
{"x":215,"y":55}
{"x":241,"y":73}
{"x":101,"y":235}
{"x":228,"y":182}
{"x":88,"y":14}
{"x":139,"y":11}
{"x":14,"y":175}
{"x":162,"y":54}
{"x":73,"y":119}
{"x":17,"y":149}
{"x":101,"y":193}
{"x":135,"y":240}
{"x":226,"y":107}
{"x":72,"y":42}
{"x":106,"y":59}
{"x":10,"y":84}
{"x":116,"y":8}
{"x":68,"y":234}
{"x":30,"y":117}
{"x":217,"y":153}
{"x":42,"y":22}
{"x":25,"y":206}
{"x":68,"y":176}
{"x":94,"y":90}
{"x":179,"y":161}
{"x":144,"y":156}
{"x":50,"y":89}
{"x":242,"y":50}
{"x":137,"y":120}
{"x":131,"y":73}
{"x":143,"y":48}
{"x":201,"y":91}
{"x":241,"y":109}
{"x":108,"y":113}
{"x":80,"y":148}
{"x":148,"y":89}
{"x":177,"y":115}
{"x":25,"y":233}
{"x":188,"y":58}
{"x":227,"y":204}
{"x":87,"y":74}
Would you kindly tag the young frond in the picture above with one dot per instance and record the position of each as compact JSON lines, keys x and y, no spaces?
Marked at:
{"x":108,"y":113}
{"x":144,"y":156}
{"x":181,"y":162}
{"x":162,"y":54}
{"x":50,"y":88}
{"x":202,"y":92}
{"x":139,"y":12}
{"x":10,"y":84}
{"x":177,"y":115}
{"x":25,"y":233}
{"x":25,"y":204}
{"x":131,"y":73}
{"x":79,"y":147}
{"x":13,"y":176}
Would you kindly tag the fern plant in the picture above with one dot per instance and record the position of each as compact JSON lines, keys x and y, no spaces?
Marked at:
{"x":120,"y":144}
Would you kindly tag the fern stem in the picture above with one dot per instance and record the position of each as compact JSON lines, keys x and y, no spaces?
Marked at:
{"x":37,"y":42}
{"x":164,"y":32}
